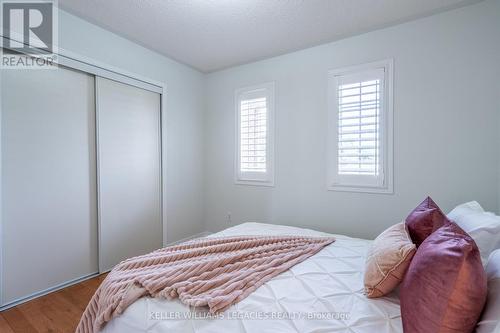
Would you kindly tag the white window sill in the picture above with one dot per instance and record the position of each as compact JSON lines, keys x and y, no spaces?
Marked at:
{"x":360,"y":189}
{"x":254,"y":183}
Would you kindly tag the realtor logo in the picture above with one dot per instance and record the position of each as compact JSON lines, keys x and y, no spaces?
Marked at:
{"x":29,"y":30}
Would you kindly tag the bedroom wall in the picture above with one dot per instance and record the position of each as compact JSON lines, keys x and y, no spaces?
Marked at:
{"x":446,"y":132}
{"x":185,"y":109}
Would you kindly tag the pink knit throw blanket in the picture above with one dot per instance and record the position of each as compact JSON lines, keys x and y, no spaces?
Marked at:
{"x":207,"y":272}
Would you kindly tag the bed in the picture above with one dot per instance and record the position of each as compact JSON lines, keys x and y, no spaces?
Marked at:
{"x":322,"y":294}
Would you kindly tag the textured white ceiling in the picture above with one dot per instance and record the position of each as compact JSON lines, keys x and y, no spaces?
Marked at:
{"x":213,"y":34}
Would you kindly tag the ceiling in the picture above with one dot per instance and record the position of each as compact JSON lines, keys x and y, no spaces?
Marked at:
{"x":210,"y":35}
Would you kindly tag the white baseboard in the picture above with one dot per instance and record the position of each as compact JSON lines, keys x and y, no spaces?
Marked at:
{"x":201,"y":234}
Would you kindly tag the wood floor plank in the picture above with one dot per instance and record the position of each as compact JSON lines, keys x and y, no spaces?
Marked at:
{"x":57,"y":312}
{"x":32,"y":311}
{"x":17,"y":321}
{"x":4,"y":326}
{"x":61,"y":312}
{"x":78,"y":295}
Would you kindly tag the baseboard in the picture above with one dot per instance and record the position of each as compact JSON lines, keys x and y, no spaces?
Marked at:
{"x":200,"y":235}
{"x":47,"y":291}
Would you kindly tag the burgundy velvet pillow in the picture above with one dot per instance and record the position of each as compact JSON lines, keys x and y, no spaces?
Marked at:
{"x":424,"y":220}
{"x":445,"y":287}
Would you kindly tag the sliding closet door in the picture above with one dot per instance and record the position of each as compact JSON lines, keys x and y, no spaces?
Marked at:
{"x":48,"y":180}
{"x":128,"y":121}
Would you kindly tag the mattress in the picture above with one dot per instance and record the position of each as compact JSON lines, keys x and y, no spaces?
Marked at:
{"x":322,"y":294}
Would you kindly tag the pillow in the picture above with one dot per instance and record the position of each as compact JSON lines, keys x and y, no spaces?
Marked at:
{"x":445,"y":287}
{"x":483,"y":227}
{"x":465,"y":209}
{"x":387,"y":260}
{"x":424,"y":219}
{"x":490,"y":321}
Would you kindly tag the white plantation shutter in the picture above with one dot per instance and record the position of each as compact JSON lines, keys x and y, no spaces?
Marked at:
{"x":358,"y":126}
{"x":359,"y":118}
{"x":253,"y":139}
{"x":255,"y":135}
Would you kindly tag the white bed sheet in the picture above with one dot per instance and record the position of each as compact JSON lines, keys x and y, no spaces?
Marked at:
{"x":322,"y":294}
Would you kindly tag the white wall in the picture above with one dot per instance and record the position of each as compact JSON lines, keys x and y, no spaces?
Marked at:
{"x":446,"y":133}
{"x":185,"y":106}
{"x":445,"y":94}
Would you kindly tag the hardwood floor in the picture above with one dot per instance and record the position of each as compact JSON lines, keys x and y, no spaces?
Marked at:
{"x":56,"y":312}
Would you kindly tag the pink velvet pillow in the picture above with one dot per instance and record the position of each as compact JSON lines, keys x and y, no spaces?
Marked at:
{"x":445,"y":287}
{"x":424,"y":220}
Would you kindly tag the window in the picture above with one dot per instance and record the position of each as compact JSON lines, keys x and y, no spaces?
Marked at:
{"x":360,"y":128}
{"x":255,"y":135}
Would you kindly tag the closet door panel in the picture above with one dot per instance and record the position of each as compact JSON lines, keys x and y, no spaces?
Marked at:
{"x":48,"y":180}
{"x":129,"y":172}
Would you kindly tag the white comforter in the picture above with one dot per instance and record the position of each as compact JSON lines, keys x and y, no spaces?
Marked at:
{"x":322,"y":294}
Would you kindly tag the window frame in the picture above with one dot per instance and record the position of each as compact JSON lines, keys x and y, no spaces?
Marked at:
{"x":359,"y":183}
{"x":256,"y":178}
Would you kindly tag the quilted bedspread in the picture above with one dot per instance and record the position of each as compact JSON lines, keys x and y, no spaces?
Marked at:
{"x":322,"y":294}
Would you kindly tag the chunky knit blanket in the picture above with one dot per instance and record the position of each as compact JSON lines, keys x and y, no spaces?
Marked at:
{"x":207,"y":272}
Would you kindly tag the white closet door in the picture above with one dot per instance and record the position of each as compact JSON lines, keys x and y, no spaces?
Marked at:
{"x":48,"y":180}
{"x":128,"y":121}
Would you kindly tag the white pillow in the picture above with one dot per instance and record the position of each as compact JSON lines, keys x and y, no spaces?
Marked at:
{"x":483,"y":227}
{"x":490,"y":320}
{"x":465,"y":209}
